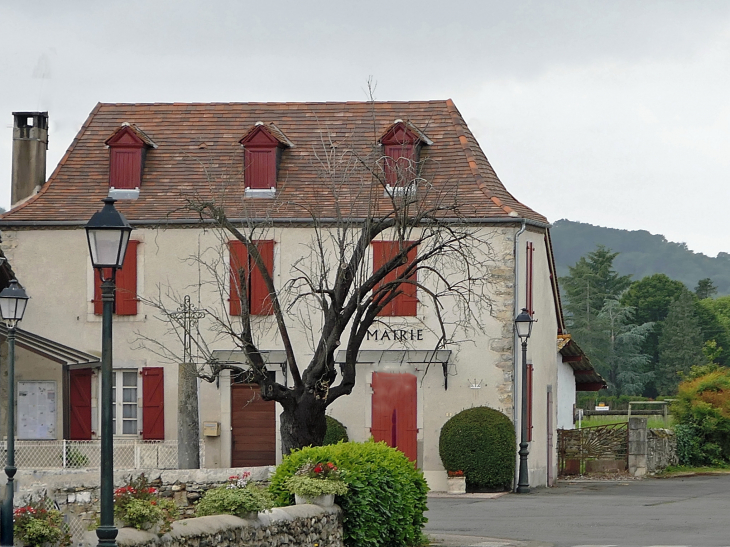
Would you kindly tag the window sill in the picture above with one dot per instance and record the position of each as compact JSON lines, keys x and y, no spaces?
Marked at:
{"x":408,"y":192}
{"x":260,"y":193}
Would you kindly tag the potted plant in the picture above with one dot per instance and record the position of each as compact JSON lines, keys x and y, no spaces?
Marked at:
{"x":240,"y":497}
{"x":138,"y":505}
{"x":456,"y":482}
{"x":37,"y":526}
{"x":317,"y":483}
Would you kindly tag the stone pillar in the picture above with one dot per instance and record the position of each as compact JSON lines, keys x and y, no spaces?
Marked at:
{"x":638,"y":447}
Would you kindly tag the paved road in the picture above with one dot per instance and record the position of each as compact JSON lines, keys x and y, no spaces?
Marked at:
{"x":690,"y":511}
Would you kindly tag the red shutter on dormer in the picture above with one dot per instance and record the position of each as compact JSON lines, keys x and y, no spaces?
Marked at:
{"x":259,"y":156}
{"x":126,"y":150}
{"x":125,"y":296}
{"x":405,"y":304}
{"x":243,"y":270}
{"x":398,"y":163}
{"x":153,"y":403}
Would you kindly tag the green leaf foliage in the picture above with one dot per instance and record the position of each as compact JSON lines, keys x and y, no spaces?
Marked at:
{"x":386,"y":497}
{"x":702,"y":409}
{"x":480,"y":442}
{"x":336,"y":432}
{"x":311,"y":488}
{"x":231,"y":500}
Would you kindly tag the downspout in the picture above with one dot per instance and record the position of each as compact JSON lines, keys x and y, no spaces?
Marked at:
{"x":515,"y":356}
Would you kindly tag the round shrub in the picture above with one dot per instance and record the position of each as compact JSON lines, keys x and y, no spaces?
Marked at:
{"x":336,"y":432}
{"x":386,"y":495}
{"x":702,"y":412}
{"x":480,"y":442}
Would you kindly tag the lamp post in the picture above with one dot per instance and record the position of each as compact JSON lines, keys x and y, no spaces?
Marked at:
{"x":523,"y":327}
{"x":108,"y":234}
{"x":12,"y":306}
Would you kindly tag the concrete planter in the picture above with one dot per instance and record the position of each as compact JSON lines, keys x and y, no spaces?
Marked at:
{"x":325,"y":500}
{"x":456,"y":485}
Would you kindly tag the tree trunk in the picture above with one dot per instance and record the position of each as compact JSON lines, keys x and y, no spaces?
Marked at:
{"x":188,"y":425}
{"x":303,"y":423}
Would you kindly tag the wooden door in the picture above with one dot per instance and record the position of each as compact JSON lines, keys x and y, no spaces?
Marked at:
{"x":254,"y":427}
{"x":395,"y":412}
{"x":79,"y":404}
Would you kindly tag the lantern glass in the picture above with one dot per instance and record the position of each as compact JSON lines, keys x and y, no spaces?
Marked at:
{"x":13,"y":301}
{"x":107,"y":247}
{"x":523,"y":324}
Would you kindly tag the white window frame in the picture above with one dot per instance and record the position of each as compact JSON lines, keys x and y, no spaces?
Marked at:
{"x":118,"y":405}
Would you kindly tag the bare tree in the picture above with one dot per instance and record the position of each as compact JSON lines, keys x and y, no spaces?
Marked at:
{"x":333,"y":292}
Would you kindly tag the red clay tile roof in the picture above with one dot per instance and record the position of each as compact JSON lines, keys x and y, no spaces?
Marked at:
{"x":198,"y":151}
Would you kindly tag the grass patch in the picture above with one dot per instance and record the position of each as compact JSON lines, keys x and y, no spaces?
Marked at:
{"x":654,"y":422}
{"x":680,"y":470}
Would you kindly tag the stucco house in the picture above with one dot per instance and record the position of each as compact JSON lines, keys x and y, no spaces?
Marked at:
{"x":259,"y":158}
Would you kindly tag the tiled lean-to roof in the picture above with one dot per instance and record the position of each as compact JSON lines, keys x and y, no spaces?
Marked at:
{"x":198,"y":152}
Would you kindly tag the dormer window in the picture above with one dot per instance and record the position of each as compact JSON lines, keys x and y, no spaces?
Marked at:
{"x":262,"y":147}
{"x":401,"y":150}
{"x":128,"y":147}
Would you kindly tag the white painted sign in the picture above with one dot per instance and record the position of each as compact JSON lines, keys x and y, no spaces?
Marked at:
{"x":36,"y":410}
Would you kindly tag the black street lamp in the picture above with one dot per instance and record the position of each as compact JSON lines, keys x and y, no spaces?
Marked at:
{"x":108,"y":234}
{"x":12,"y":306}
{"x":523,"y":327}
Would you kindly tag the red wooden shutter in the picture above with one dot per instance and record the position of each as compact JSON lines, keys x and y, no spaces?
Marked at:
{"x":238,"y":259}
{"x":528,"y":267}
{"x":529,"y":402}
{"x":125,"y":167}
{"x":125,"y":298}
{"x":255,"y":287}
{"x":397,"y":162}
{"x":260,"y":170}
{"x":79,"y":403}
{"x":259,"y":293}
{"x":153,"y":403}
{"x":404,"y":304}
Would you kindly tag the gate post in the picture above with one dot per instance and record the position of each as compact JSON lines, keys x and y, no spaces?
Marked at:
{"x":638,"y":446}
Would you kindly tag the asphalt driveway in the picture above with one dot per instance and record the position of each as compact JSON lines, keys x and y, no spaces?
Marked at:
{"x":692,"y":511}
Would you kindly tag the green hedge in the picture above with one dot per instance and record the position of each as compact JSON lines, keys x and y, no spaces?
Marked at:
{"x":480,"y":442}
{"x":702,"y":412}
{"x":387,"y":494}
{"x":336,"y":432}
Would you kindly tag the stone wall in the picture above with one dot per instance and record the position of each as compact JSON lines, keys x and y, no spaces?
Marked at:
{"x":661,"y":449}
{"x":77,"y":491}
{"x":299,"y":525}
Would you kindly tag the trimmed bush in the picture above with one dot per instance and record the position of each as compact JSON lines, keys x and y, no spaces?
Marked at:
{"x":702,"y":412}
{"x":480,"y":442}
{"x":336,"y":432}
{"x":386,"y":495}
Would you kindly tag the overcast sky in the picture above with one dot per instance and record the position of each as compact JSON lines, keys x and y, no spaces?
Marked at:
{"x":610,"y":112}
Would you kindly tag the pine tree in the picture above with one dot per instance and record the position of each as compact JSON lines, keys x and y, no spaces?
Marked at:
{"x":680,"y":345}
{"x":705,"y":288}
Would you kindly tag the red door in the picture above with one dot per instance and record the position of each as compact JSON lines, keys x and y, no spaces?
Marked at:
{"x":394,"y":412}
{"x":79,"y":427}
{"x":253,"y":421}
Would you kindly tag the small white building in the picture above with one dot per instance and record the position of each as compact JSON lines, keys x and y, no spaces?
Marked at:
{"x":260,"y":158}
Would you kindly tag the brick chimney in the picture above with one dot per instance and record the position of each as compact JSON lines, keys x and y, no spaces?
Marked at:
{"x":30,"y":142}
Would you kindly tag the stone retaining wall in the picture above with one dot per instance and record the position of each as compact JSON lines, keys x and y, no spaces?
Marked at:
{"x":299,"y":525}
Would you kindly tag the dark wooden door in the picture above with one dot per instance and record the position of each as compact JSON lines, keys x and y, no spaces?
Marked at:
{"x":79,"y":404}
{"x":254,"y":427}
{"x":395,"y":412}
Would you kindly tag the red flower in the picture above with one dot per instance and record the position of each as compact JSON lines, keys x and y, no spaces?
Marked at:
{"x":318,"y":468}
{"x":331,"y":465}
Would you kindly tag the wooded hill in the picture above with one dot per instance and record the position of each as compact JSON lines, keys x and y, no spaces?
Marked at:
{"x":641,"y":254}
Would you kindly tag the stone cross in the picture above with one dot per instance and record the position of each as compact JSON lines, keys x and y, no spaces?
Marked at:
{"x":187,"y":317}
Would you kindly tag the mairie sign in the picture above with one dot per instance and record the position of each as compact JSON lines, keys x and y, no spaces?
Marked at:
{"x":395,"y":335}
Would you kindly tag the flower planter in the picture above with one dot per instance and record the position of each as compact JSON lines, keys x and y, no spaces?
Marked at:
{"x":456,"y":485}
{"x":325,"y":500}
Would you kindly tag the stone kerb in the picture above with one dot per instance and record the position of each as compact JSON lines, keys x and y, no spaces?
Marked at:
{"x":305,"y":525}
